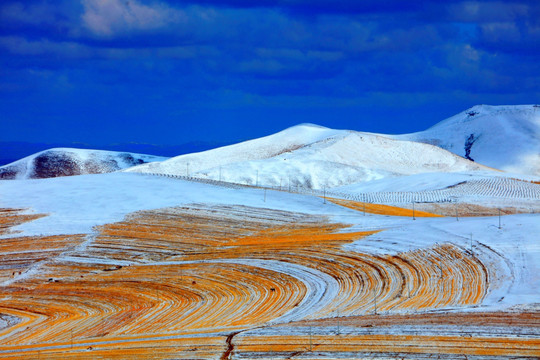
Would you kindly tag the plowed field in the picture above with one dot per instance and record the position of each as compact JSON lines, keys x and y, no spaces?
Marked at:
{"x":211,"y":282}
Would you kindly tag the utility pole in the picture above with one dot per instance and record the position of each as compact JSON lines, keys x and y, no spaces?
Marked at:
{"x":310,"y":339}
{"x":454,"y":199}
{"x":289,"y":183}
{"x":499,"y":218}
{"x":375,"y":297}
{"x":441,"y":279}
{"x":413,"y":217}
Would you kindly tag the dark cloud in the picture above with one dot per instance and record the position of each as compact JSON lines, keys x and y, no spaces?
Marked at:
{"x":180,"y":62}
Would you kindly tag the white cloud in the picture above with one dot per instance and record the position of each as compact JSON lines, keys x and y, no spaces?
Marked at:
{"x":110,"y":17}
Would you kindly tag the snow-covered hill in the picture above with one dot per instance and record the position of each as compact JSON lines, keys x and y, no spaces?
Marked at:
{"x":313,"y":157}
{"x":67,"y":161}
{"x":503,"y":137}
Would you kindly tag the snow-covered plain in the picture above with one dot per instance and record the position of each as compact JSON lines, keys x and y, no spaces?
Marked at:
{"x":76,"y":204}
{"x":494,"y":189}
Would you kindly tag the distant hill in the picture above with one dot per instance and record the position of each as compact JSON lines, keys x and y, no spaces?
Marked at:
{"x":66,"y":162}
{"x":11,"y":151}
{"x":503,"y":137}
{"x":314,"y":157}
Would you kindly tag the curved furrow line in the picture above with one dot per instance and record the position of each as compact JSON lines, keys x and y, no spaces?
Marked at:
{"x":73,"y":312}
{"x":385,"y":280}
{"x":320,"y":287}
{"x":232,"y":296}
{"x":28,"y":318}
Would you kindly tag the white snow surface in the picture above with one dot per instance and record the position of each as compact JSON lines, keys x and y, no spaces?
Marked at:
{"x":312,"y":157}
{"x":77,"y":203}
{"x":505,"y":137}
{"x":68,"y":161}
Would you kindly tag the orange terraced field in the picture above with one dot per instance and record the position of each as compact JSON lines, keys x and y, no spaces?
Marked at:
{"x":380,"y":209}
{"x":219,"y":282}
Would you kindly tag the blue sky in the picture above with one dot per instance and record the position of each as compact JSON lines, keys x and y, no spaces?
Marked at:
{"x":170,"y":72}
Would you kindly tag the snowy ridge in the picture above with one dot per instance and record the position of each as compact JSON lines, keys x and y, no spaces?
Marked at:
{"x":312,"y":157}
{"x":263,"y":148}
{"x":69,"y":161}
{"x":503,"y":137}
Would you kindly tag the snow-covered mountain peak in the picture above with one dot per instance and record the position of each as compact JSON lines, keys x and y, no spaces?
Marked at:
{"x":506,"y":137}
{"x":508,"y":112}
{"x":267,"y":147}
{"x":307,"y":126}
{"x":305,"y":133}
